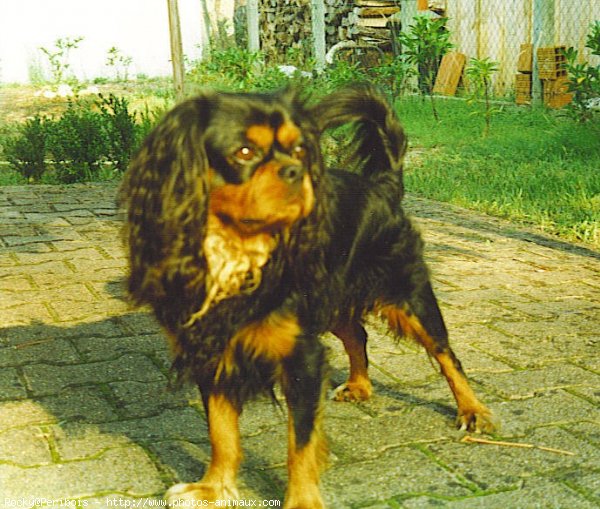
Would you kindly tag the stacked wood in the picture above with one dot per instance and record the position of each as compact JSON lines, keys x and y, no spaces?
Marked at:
{"x":525,"y":62}
{"x":369,"y":20}
{"x":335,"y":13}
{"x":286,"y":25}
{"x":283,"y":26}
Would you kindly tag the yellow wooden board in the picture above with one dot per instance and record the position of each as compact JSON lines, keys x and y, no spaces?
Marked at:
{"x":449,"y":74}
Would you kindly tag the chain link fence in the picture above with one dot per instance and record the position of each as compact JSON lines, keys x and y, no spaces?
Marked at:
{"x":510,"y":32}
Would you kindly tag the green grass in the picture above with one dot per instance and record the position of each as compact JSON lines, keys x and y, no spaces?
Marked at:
{"x":535,"y":167}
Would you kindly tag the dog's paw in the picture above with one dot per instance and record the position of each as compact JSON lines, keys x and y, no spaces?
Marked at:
{"x":479,"y":420}
{"x":353,"y":391}
{"x":197,"y":493}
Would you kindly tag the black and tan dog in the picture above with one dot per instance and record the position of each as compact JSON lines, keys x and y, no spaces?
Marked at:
{"x":248,"y":249}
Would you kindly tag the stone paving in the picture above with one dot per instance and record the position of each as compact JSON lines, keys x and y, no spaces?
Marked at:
{"x":86,"y":418}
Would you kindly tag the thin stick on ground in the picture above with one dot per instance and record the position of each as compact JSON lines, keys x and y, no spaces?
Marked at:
{"x":473,"y":440}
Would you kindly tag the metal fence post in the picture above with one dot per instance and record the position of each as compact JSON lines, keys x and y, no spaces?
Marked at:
{"x":318,"y":30}
{"x":542,"y":27}
{"x":252,"y":21}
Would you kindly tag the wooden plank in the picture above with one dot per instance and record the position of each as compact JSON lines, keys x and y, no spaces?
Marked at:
{"x":372,"y":22}
{"x":376,"y":12}
{"x":451,"y":69}
{"x":375,"y":3}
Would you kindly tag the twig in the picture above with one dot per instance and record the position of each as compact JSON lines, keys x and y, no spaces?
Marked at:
{"x":473,"y":440}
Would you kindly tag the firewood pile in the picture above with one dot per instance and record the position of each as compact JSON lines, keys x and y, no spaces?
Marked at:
{"x":368,"y":22}
{"x":286,"y":24}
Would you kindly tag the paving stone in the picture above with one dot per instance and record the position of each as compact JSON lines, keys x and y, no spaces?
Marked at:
{"x":532,"y":493}
{"x":12,"y":387}
{"x":98,"y":349}
{"x":125,"y":470}
{"x":395,"y":472}
{"x":53,"y":351}
{"x":170,"y":424}
{"x":544,"y":409}
{"x":589,"y":431}
{"x":33,"y":449}
{"x":85,"y":414}
{"x":44,"y":379}
{"x":132,"y":398}
{"x":506,"y":467}
{"x":15,"y":414}
{"x":83,"y":403}
{"x":586,"y":483}
{"x":527,"y":383}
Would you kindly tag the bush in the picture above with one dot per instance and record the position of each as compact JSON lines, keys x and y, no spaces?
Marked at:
{"x":26,"y":152}
{"x":584,"y":79}
{"x":122,"y":131}
{"x":78,"y":144}
{"x":81,"y":144}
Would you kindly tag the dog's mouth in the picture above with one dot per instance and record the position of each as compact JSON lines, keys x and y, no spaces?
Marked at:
{"x":246,"y":226}
{"x":262,"y":205}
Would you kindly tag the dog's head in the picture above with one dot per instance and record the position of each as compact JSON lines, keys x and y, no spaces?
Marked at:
{"x":221,"y":181}
{"x":262,"y":154}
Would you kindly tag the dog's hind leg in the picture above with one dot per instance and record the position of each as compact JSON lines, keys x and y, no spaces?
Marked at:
{"x":358,"y":386}
{"x":420,"y":318}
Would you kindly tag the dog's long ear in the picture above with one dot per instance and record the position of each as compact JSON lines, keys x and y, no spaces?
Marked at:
{"x":377,"y":143}
{"x":165,"y":193}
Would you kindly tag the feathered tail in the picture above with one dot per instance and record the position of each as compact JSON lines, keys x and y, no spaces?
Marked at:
{"x":377,"y":143}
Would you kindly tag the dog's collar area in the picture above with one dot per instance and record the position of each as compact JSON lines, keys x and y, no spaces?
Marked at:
{"x":234,"y":263}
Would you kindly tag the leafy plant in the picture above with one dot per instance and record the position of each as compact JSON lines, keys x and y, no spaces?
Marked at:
{"x":340,"y":74}
{"x":119,"y":63}
{"x":233,"y":68}
{"x":584,"y":79}
{"x":87,"y":141}
{"x":26,"y":152}
{"x":396,"y":74}
{"x":480,"y":73}
{"x":78,"y":143}
{"x":58,"y":57}
{"x":122,"y":132}
{"x":426,"y":42}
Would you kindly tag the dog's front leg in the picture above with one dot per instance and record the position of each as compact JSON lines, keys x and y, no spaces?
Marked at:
{"x":303,"y":385}
{"x":219,"y":481}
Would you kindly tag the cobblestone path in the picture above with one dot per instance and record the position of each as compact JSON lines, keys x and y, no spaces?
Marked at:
{"x":86,"y":417}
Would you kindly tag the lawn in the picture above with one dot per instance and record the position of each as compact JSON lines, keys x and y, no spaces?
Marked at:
{"x":536,"y":167}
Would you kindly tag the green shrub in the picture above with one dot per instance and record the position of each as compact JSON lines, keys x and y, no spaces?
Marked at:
{"x":27,"y":150}
{"x":89,"y":141}
{"x":584,"y":79}
{"x":78,"y":144}
{"x":122,"y":131}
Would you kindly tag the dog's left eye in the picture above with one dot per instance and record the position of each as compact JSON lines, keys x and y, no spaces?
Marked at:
{"x":299,"y":152}
{"x":245,"y":154}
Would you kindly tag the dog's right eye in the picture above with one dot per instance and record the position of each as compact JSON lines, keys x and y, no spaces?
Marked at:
{"x":245,"y":154}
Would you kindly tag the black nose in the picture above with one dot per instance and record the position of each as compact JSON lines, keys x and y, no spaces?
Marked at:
{"x":291,"y":174}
